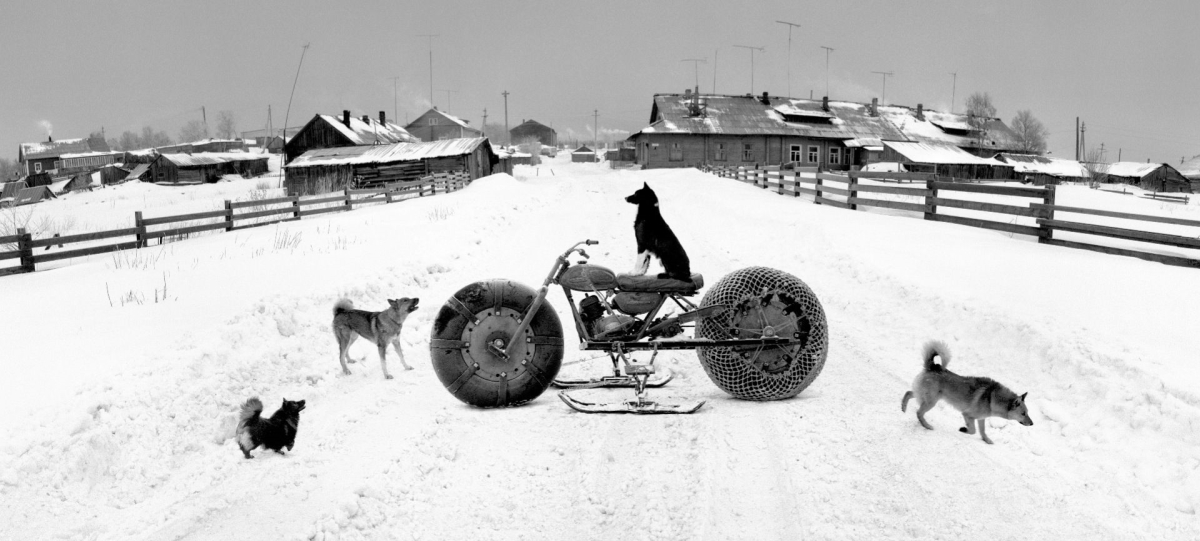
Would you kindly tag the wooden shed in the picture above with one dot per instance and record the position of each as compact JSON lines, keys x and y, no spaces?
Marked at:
{"x":1044,"y":170}
{"x":326,"y":131}
{"x":205,"y":167}
{"x":944,"y":160}
{"x":1157,"y":177}
{"x":326,"y":170}
{"x":583,"y":154}
{"x":532,"y":129}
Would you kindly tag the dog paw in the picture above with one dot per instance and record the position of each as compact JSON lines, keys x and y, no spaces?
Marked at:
{"x":345,"y":372}
{"x":963,"y":429}
{"x":408,"y":368}
{"x":351,"y":361}
{"x":987,"y":441}
{"x":388,"y":376}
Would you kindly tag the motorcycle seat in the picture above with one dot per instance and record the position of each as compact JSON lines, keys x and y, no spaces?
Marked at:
{"x":653,"y":284}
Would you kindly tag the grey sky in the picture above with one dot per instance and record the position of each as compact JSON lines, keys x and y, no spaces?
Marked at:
{"x":1127,"y":68}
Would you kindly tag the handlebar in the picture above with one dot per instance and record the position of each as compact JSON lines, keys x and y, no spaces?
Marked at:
{"x":590,"y":242}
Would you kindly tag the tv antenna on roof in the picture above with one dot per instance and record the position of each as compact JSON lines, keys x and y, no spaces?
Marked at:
{"x":885,"y":74}
{"x":827,"y":51}
{"x":696,"y":62}
{"x":752,"y":49}
{"x":790,"y":26}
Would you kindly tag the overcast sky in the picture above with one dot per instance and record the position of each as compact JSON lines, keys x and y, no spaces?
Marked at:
{"x":1128,"y":69}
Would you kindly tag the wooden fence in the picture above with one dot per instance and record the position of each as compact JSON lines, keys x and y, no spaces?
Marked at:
{"x":236,"y":215}
{"x":846,"y":190}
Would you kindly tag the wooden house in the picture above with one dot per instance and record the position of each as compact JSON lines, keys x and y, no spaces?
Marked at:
{"x":435,"y":125}
{"x":1190,"y":169}
{"x":325,"y":170}
{"x":42,"y":157}
{"x":985,"y":138}
{"x":532,"y":129}
{"x":1157,"y":177}
{"x":205,"y":167}
{"x":326,"y":131}
{"x":583,"y":154}
{"x":1044,"y":170}
{"x":691,"y":129}
{"x":945,"y":160}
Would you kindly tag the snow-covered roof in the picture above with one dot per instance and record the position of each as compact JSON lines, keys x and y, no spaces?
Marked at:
{"x":55,"y":149}
{"x":210,"y":158}
{"x":87,"y":154}
{"x":936,"y":153}
{"x":749,"y":115}
{"x":885,"y":167}
{"x":1190,"y":168}
{"x":396,"y":152}
{"x":948,"y":128}
{"x":1045,"y":165}
{"x":369,"y":132}
{"x":1131,"y":169}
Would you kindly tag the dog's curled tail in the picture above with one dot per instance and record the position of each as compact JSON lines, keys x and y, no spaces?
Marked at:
{"x":252,"y":409}
{"x":342,"y":306}
{"x":935,"y":348}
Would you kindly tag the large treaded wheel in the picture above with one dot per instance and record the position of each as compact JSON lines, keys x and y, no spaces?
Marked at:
{"x":486,"y":313}
{"x":763,"y":303}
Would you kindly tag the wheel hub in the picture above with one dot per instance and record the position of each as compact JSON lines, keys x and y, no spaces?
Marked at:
{"x":490,"y":335}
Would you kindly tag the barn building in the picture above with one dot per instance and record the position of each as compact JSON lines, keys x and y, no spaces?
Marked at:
{"x":532,"y":129}
{"x":325,"y":170}
{"x":922,"y":125}
{"x":690,"y":130}
{"x":435,"y":125}
{"x":1190,"y":169}
{"x":1158,"y":177}
{"x":205,"y":167}
{"x":1044,"y":170}
{"x":325,"y":131}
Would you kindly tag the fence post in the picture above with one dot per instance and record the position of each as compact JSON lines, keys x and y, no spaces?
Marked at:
{"x":349,"y":200}
{"x":852,"y":188}
{"x":296,"y":207}
{"x":1044,"y":231}
{"x":817,"y":188}
{"x":141,"y":229}
{"x":228,"y":215}
{"x":23,"y":245}
{"x":930,"y":207}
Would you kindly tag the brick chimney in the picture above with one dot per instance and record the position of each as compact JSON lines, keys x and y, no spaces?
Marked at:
{"x":346,"y":117}
{"x":382,"y":118}
{"x":366,"y":119}
{"x":825,"y":103}
{"x":874,"y":106}
{"x":920,"y":111}
{"x":687,"y":92}
{"x":766,"y":99}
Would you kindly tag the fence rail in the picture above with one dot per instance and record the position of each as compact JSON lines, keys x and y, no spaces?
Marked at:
{"x":234,"y":216}
{"x":1041,"y":210}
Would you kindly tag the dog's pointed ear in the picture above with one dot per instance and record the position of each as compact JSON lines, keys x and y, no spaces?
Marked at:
{"x":646,"y":186}
{"x":1022,"y":397}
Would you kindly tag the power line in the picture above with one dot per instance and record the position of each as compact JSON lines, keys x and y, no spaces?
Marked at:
{"x":289,"y":107}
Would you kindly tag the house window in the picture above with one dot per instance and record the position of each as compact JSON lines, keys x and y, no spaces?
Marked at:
{"x":835,"y":155}
{"x":432,"y":121}
{"x":796,"y":154}
{"x":676,"y":152}
{"x":720,"y":153}
{"x":814,"y":154}
{"x":37,"y":167}
{"x":747,"y":152}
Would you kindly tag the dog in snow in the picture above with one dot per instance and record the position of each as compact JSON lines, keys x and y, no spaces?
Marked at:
{"x":274,"y":433}
{"x":977,"y":398}
{"x":654,"y":237}
{"x":381,"y":328}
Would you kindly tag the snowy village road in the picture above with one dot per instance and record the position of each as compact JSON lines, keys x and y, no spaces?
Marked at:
{"x":146,"y":453}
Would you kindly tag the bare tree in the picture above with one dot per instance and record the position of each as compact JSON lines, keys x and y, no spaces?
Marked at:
{"x":152,"y":139}
{"x":226,"y":129}
{"x":1097,"y":168}
{"x":8,"y":169}
{"x":129,"y":141}
{"x":980,"y":111}
{"x":1031,"y":134}
{"x":192,"y":131}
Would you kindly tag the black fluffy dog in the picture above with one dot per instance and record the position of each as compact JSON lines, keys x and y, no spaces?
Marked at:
{"x":274,"y":433}
{"x":654,"y":236}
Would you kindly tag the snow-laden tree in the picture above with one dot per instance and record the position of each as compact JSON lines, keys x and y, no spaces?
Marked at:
{"x":226,"y":128}
{"x":192,"y":131}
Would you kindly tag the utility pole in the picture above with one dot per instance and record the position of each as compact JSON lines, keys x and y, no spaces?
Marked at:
{"x":289,"y":109}
{"x":827,"y":51}
{"x":752,"y":49}
{"x":790,"y":26}
{"x":204,"y":116}
{"x":696,"y":63}
{"x":484,"y":125}
{"x":714,"y":87}
{"x":1076,"y":138}
{"x":595,"y":125}
{"x":954,"y":87}
{"x":395,"y":100}
{"x":507,"y":135}
{"x":885,"y":74}
{"x":430,"y":36}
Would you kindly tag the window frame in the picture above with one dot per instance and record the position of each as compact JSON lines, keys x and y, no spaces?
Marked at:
{"x":796,"y":153}
{"x":814,"y":153}
{"x":747,"y":152}
{"x":835,"y":155}
{"x":675,"y":152}
{"x":719,"y":153}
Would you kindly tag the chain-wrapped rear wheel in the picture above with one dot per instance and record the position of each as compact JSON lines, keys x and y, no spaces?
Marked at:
{"x":479,"y":321}
{"x":764,"y":303}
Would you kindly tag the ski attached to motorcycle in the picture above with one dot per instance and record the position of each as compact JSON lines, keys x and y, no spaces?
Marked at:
{"x":630,"y":406}
{"x":656,"y":380}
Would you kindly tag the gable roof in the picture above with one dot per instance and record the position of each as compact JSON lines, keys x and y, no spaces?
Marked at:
{"x":749,"y":115}
{"x":10,"y":189}
{"x":453,"y":120}
{"x":949,"y":128}
{"x":33,"y":195}
{"x":583,"y":150}
{"x":396,"y":152}
{"x":530,"y":124}
{"x":137,"y":172}
{"x":1190,"y":168}
{"x":210,"y":158}
{"x":938,"y":153}
{"x":55,"y":149}
{"x":370,"y":132}
{"x":1044,"y":165}
{"x":1132,"y":169}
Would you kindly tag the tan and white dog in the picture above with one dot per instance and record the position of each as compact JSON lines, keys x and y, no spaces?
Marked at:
{"x":381,"y":328}
{"x":977,"y":398}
